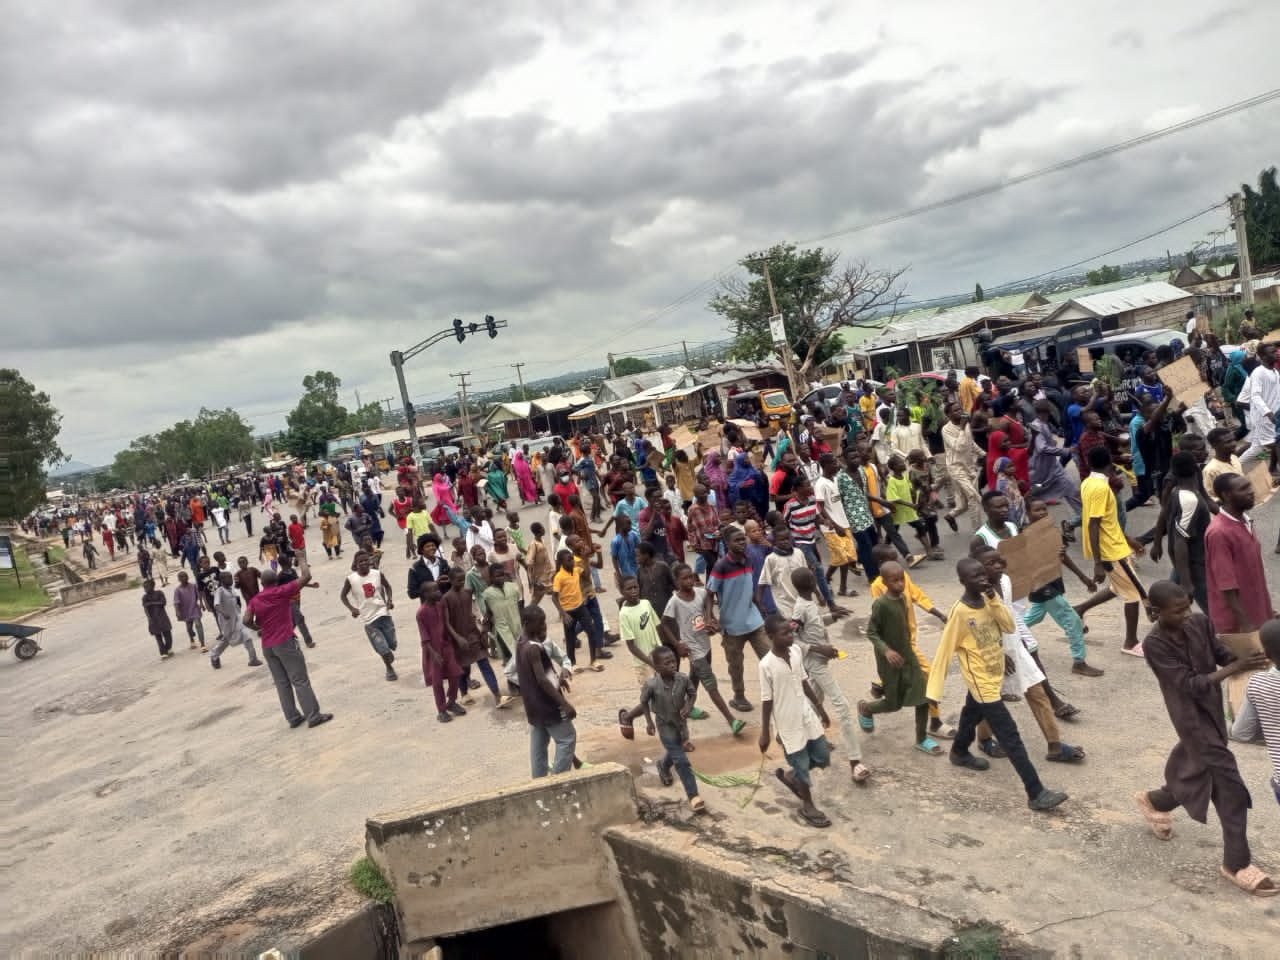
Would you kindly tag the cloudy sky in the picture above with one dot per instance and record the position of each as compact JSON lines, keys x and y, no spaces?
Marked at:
{"x":202,"y":202}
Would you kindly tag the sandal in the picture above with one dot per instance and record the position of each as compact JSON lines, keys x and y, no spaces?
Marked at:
{"x":815,"y":819}
{"x":782,"y":776}
{"x":865,"y":721}
{"x":1066,"y":754}
{"x":1134,"y":651}
{"x":930,"y":746}
{"x":697,"y":805}
{"x":625,"y":726}
{"x":1161,"y":823}
{"x":861,"y":772}
{"x":1251,"y":879}
{"x":1066,"y":712}
{"x":992,"y":748}
{"x":944,"y":731}
{"x":737,"y":726}
{"x":597,"y":667}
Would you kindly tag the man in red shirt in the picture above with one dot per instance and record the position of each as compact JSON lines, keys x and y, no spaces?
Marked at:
{"x":1239,"y":600}
{"x":271,"y":612}
{"x":298,"y":539}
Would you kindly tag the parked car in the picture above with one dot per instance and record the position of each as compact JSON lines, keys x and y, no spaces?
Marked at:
{"x":1129,"y":346}
{"x":824,"y":396}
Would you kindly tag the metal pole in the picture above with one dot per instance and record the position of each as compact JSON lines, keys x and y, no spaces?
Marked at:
{"x":1242,"y":256}
{"x":524,"y":396}
{"x":788,"y":361}
{"x":397,"y":361}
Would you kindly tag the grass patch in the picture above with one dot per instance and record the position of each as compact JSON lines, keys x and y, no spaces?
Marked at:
{"x":369,"y":881}
{"x":982,"y":942}
{"x":57,"y":554}
{"x":16,"y":600}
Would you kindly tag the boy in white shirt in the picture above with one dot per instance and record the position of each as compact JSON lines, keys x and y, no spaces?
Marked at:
{"x":788,"y":700}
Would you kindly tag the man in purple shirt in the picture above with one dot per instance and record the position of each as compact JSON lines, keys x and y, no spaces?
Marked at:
{"x":1239,"y":600}
{"x":271,"y":612}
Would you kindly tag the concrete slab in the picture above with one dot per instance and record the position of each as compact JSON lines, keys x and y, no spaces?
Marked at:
{"x":161,"y":805}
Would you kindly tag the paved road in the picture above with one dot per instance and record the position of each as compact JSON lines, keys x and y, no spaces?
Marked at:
{"x":162,"y":804}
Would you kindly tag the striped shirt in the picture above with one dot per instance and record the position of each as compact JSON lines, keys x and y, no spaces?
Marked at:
{"x":1262,"y":694}
{"x":802,"y":518}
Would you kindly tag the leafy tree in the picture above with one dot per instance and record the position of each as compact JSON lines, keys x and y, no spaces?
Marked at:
{"x":1262,"y":218}
{"x":214,"y":441}
{"x":317,"y":418}
{"x":978,"y":295}
{"x":29,"y":428}
{"x":816,"y":297}
{"x":1103,"y":274}
{"x":626,"y":366}
{"x":364,"y":420}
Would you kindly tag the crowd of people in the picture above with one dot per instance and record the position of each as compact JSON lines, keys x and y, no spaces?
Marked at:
{"x":763,"y":542}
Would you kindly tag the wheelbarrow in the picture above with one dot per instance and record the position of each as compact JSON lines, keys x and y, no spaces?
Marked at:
{"x":22,"y":637}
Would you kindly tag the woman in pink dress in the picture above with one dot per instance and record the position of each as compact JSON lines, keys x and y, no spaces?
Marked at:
{"x":445,"y":504}
{"x":524,"y":477}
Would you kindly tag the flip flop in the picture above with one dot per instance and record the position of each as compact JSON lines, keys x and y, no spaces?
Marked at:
{"x":1250,"y":879}
{"x":1066,"y":712}
{"x":944,"y":731}
{"x":1066,"y":754}
{"x":737,"y":727}
{"x":597,"y":667}
{"x":861,"y":772}
{"x":1161,"y":823}
{"x":865,"y":722}
{"x":697,"y":713}
{"x":625,"y":727}
{"x":930,"y":746}
{"x":815,"y":819}
{"x":1134,"y":651}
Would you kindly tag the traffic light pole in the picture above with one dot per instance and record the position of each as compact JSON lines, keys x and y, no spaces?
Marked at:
{"x":398,"y":357}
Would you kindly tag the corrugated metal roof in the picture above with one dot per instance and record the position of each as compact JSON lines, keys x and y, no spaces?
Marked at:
{"x":1062,"y":296}
{"x":510,"y":410}
{"x":1131,"y":298}
{"x":555,"y":402}
{"x":933,"y":324}
{"x":619,"y":388}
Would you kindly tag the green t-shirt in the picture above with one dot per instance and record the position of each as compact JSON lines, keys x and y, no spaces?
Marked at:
{"x":899,"y":488}
{"x":639,"y":623}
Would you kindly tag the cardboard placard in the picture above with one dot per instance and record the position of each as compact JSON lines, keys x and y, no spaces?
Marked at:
{"x":1182,"y":379}
{"x":710,"y":438}
{"x":683,"y":438}
{"x":1033,"y":556}
{"x":1260,"y":477}
{"x":1241,"y":644}
{"x":1202,"y":323}
{"x":1271,"y":337}
{"x":1084,"y":359}
{"x":749,"y":429}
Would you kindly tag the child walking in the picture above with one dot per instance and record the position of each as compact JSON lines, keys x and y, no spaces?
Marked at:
{"x":549,"y":714}
{"x":811,"y":636}
{"x":1190,"y":663}
{"x":787,"y":697}
{"x":885,"y":553}
{"x":684,"y":622}
{"x":975,"y":635}
{"x":439,"y":657}
{"x":1260,"y":715}
{"x":460,"y":624}
{"x":901,"y":676}
{"x":668,"y":696}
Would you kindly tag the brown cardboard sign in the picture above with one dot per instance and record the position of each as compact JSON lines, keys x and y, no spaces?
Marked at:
{"x":1084,"y":359}
{"x":1033,"y":556}
{"x":1242,"y":645}
{"x":1182,"y":379}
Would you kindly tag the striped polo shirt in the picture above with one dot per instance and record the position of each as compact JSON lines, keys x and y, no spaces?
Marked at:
{"x":1263,"y":691}
{"x":733,"y":585}
{"x":802,"y":518}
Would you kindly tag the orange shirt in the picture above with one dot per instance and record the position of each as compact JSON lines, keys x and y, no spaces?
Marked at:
{"x":197,"y":510}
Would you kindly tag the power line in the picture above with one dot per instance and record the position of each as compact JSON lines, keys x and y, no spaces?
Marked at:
{"x":706,"y":285}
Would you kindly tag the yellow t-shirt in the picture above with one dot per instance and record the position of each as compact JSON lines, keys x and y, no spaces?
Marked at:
{"x":872,"y":476}
{"x":1216,"y":468}
{"x":1099,"y":501}
{"x":569,"y":589}
{"x":976,"y":638}
{"x":969,"y":392}
{"x":419,"y":522}
{"x":868,"y":407}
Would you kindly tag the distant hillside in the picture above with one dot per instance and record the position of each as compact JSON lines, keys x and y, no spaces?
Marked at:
{"x":71,"y":468}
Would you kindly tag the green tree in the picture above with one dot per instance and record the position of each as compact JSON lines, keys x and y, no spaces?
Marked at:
{"x":364,"y":420}
{"x":626,"y":366}
{"x":1104,"y":274}
{"x":317,"y":418}
{"x":1262,"y":218}
{"x":29,"y":428}
{"x":816,"y":297}
{"x":978,"y":295}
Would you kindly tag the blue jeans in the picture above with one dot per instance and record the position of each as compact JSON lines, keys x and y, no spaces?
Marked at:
{"x":540,"y":737}
{"x":597,"y":623}
{"x":1065,"y":616}
{"x":820,"y":574}
{"x":382,"y":635}
{"x":581,"y":622}
{"x":676,"y":757}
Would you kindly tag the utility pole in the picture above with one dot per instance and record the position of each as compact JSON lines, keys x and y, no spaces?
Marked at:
{"x":524,"y":395}
{"x":462,"y":400}
{"x":780,"y":336}
{"x":1242,"y":255}
{"x":611,"y":373}
{"x":684,"y":346}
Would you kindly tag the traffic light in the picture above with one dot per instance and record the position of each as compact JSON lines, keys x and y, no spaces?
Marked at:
{"x":473,"y":327}
{"x":458,"y":331}
{"x":491,"y":326}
